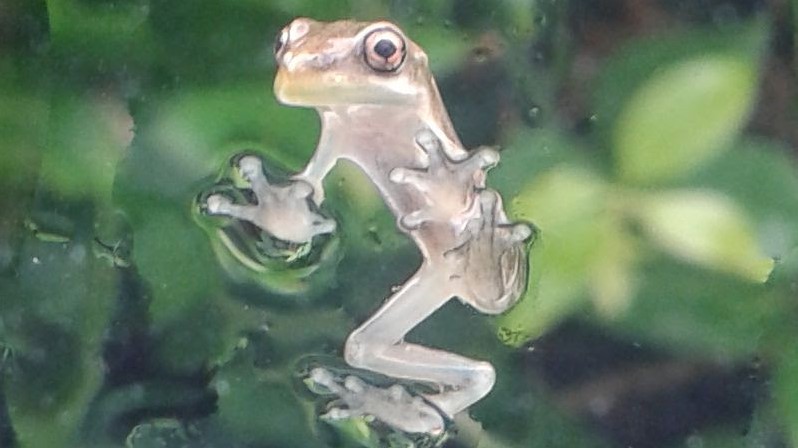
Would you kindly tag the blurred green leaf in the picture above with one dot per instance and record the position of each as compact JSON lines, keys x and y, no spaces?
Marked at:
{"x":716,"y":438}
{"x":697,"y":311}
{"x":765,"y":429}
{"x":611,"y":276}
{"x":705,"y":228}
{"x":193,"y":338}
{"x":520,"y":413}
{"x":54,"y":314}
{"x":785,"y":393}
{"x":566,"y":205}
{"x":529,"y":154}
{"x":173,"y":256}
{"x":445,"y":46}
{"x":356,"y":432}
{"x":165,"y":433}
{"x":763,"y":180}
{"x":115,"y":39}
{"x":683,"y":116}
{"x":89,"y":132}
{"x":649,"y":87}
{"x":188,"y":137}
{"x":256,"y":409}
{"x":24,"y":120}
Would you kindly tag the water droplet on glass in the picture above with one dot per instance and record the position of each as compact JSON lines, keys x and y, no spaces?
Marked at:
{"x":222,"y":387}
{"x":695,"y":442}
{"x":541,"y":20}
{"x":533,"y":115}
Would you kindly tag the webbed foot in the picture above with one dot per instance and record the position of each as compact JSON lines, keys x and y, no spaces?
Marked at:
{"x":491,"y":259}
{"x":448,"y":185}
{"x":393,"y":405}
{"x":284,"y":211}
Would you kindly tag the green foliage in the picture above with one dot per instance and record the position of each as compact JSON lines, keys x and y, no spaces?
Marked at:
{"x":595,"y":232}
{"x":128,"y":317}
{"x":683,"y":116}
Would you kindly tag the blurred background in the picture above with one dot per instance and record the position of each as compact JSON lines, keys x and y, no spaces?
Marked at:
{"x":651,"y":142}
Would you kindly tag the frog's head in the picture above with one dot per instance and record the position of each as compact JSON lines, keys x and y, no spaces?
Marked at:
{"x":346,"y":63}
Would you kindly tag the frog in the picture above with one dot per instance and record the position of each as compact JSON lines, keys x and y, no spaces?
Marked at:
{"x":381,"y":110}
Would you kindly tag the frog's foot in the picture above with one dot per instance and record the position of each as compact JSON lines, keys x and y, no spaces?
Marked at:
{"x":490,"y":263}
{"x":284,"y":211}
{"x":448,"y":186}
{"x":393,"y":405}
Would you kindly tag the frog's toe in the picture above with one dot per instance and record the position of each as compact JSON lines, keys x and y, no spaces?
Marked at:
{"x":355,"y":385}
{"x":322,"y":376}
{"x":407,"y":176}
{"x":217,"y":204}
{"x":300,"y":189}
{"x":488,"y":200}
{"x":397,"y":393}
{"x":250,"y":168}
{"x":520,"y":232}
{"x":431,"y":145}
{"x":484,"y":158}
{"x":414,"y":220}
{"x":419,"y":417}
{"x":324,"y":226}
{"x":427,"y":140}
{"x":339,"y":414}
{"x":221,"y":205}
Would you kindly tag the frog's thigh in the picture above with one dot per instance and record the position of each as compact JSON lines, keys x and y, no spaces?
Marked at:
{"x":378,"y":346}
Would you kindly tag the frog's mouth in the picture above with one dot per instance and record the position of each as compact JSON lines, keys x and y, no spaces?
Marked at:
{"x":314,"y":90}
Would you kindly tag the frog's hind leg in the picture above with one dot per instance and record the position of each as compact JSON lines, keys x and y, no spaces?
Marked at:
{"x":378,"y":345}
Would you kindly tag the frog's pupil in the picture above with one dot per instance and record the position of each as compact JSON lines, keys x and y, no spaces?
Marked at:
{"x":385,"y":48}
{"x":278,"y":43}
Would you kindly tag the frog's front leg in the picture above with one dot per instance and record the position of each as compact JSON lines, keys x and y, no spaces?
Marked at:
{"x":284,"y":211}
{"x":446,"y":185}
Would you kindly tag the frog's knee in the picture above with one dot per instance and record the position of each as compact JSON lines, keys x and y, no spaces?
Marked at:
{"x":482,"y":379}
{"x":357,"y":350}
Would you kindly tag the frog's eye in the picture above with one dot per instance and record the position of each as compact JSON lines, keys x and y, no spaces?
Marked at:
{"x":280,"y":41}
{"x":384,"y":50}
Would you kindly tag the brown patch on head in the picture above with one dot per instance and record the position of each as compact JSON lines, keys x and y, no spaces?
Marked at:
{"x":348,"y":62}
{"x":313,"y":37}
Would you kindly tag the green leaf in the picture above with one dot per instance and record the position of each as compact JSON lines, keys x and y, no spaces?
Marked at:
{"x":91,"y":133}
{"x":185,"y":139}
{"x":683,"y":116}
{"x":254,"y":409}
{"x":763,"y":179}
{"x":705,"y":228}
{"x":161,"y":433}
{"x":697,"y":311}
{"x":173,"y":256}
{"x":785,"y":393}
{"x":528,"y":155}
{"x":648,"y":87}
{"x":519,"y":412}
{"x":565,"y":204}
{"x":23,"y":121}
{"x":54,"y":313}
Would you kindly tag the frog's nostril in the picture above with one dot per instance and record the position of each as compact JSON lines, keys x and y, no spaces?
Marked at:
{"x":385,"y":48}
